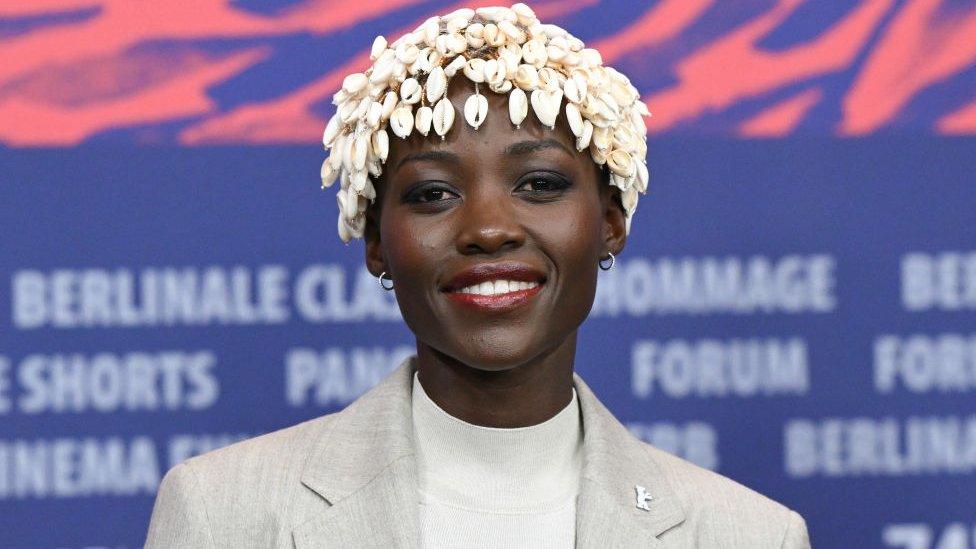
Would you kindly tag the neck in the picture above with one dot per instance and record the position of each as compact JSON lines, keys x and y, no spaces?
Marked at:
{"x":521,"y":395}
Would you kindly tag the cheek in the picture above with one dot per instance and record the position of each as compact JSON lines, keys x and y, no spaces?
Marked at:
{"x":572,"y":237}
{"x":413,"y":253}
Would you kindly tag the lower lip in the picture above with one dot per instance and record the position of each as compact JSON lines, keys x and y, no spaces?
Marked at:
{"x":498,"y":302}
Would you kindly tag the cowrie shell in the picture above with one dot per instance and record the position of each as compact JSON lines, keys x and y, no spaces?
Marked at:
{"x":331,"y":131}
{"x":455,"y":65}
{"x":457,"y":24}
{"x":494,"y":36}
{"x":494,"y":71}
{"x":383,"y":68}
{"x":524,"y":13}
{"x":629,"y":199}
{"x":443,"y":116}
{"x":575,"y":119}
{"x":511,"y":31}
{"x":583,"y":141}
{"x":527,"y":77}
{"x":490,"y":34}
{"x":466,"y":13}
{"x":347,"y":112}
{"x":401,"y":122}
{"x":475,"y":43}
{"x":410,"y":91}
{"x":621,"y":163}
{"x":475,"y":110}
{"x":501,"y":87}
{"x":641,"y":177}
{"x":373,"y":114}
{"x":474,"y":69}
{"x":379,"y":45}
{"x":546,"y":106}
{"x":551,"y":79}
{"x":347,"y":201}
{"x":553,"y":31}
{"x":534,"y":53}
{"x":335,"y":157}
{"x":344,"y":233}
{"x":431,"y":29}
{"x":347,"y":153}
{"x":362,"y":107}
{"x":423,"y":119}
{"x":518,"y":106}
{"x":381,"y":144}
{"x":390,"y":101}
{"x":598,"y":156}
{"x":357,"y":180}
{"x":512,"y":62}
{"x":329,"y":174}
{"x":456,"y":43}
{"x":360,"y":148}
{"x":440,"y":43}
{"x":407,"y":53}
{"x":475,"y":30}
{"x":436,"y":84}
{"x":555,"y":53}
{"x":590,"y":57}
{"x":601,"y":138}
{"x":354,"y":82}
{"x":369,"y":191}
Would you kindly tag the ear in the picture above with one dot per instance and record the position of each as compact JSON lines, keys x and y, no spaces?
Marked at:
{"x":375,"y":263}
{"x":614,"y":221}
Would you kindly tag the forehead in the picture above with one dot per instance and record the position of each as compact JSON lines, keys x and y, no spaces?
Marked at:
{"x":497,"y":137}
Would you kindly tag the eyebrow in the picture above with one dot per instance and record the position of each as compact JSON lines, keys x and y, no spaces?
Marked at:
{"x":442,"y":156}
{"x":526,"y":147}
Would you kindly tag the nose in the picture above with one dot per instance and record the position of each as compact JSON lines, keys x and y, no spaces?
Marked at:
{"x":489,"y":224}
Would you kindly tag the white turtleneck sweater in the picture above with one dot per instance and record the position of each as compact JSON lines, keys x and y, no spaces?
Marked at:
{"x":492,"y":487}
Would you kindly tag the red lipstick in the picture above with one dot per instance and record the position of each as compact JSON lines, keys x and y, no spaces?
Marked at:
{"x":485,"y":272}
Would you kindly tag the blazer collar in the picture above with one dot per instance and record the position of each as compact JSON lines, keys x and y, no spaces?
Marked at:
{"x":364,"y":467}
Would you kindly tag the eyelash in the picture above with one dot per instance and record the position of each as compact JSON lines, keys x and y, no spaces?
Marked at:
{"x":556,"y":184}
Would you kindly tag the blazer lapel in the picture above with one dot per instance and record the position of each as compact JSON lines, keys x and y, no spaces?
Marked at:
{"x":615,"y":464}
{"x":364,"y":468}
{"x":364,"y":471}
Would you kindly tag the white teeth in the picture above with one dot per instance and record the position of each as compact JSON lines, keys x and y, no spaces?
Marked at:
{"x":496,"y":287}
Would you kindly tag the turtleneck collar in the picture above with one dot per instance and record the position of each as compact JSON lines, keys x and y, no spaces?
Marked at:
{"x":524,"y":469}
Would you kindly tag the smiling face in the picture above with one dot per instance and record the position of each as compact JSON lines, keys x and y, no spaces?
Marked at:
{"x":498,"y":203}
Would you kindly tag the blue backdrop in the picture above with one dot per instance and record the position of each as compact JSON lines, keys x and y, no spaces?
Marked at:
{"x":795,"y":314}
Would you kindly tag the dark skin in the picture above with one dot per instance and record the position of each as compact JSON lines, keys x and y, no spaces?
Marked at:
{"x":486,"y":196}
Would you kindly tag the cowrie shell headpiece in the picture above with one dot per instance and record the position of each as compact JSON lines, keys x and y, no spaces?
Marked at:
{"x":542,"y":69}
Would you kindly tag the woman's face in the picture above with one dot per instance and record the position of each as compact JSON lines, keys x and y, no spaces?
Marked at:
{"x":497,"y":203}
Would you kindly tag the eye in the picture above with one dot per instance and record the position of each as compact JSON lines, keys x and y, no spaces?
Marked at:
{"x":542,"y":183}
{"x":427,"y":193}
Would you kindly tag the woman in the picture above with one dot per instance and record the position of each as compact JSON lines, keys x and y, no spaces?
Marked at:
{"x":516,"y":175}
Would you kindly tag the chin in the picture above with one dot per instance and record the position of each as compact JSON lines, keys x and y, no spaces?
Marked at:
{"x":499,"y":354}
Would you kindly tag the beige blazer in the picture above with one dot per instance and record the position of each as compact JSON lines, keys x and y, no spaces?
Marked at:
{"x":347,"y":480}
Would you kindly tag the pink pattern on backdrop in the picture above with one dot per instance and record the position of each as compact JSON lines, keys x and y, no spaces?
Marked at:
{"x":116,"y":64}
{"x":915,"y":53}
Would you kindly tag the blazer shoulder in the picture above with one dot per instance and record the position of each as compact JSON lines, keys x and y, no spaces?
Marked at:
{"x":717,"y":507}
{"x":250,"y":490}
{"x":283,"y":448}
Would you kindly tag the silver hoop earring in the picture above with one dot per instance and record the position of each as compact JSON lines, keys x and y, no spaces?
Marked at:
{"x":383,"y":276}
{"x":610,"y":266}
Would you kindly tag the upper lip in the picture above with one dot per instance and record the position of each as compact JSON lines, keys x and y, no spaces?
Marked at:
{"x":481,"y":272}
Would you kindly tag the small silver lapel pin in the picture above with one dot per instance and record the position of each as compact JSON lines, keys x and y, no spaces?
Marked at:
{"x":642,"y":497}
